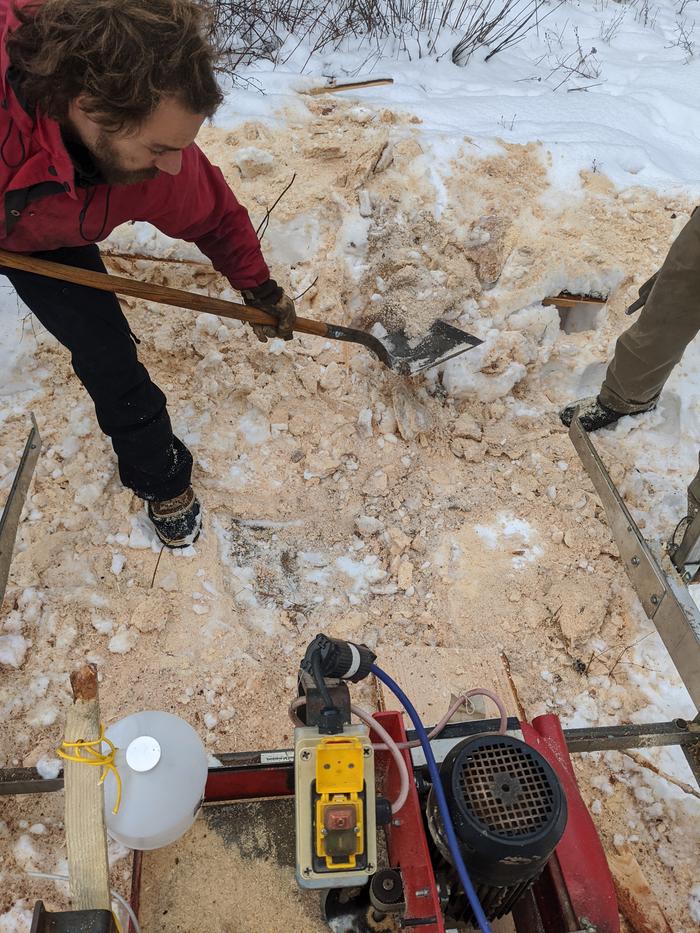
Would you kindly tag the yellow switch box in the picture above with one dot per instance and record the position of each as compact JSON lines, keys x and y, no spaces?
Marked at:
{"x":336,"y":831}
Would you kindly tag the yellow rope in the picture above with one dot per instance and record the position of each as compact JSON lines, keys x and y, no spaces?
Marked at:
{"x":94,"y":757}
{"x":116,"y":922}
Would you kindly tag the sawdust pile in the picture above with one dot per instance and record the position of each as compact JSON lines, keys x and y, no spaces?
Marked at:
{"x":449,"y":511}
{"x":242,"y":894}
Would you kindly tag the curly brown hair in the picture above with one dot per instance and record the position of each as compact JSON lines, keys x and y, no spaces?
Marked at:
{"x":122,"y":57}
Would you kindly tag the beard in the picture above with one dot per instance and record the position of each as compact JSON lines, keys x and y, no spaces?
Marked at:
{"x":108,"y":162}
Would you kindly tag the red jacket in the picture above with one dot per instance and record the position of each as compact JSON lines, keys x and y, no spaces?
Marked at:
{"x":41,"y":209}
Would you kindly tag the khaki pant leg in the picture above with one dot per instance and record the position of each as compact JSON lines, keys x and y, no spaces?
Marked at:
{"x":694,"y":494}
{"x":647,"y":352}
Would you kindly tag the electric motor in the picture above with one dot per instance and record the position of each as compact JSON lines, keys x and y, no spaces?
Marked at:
{"x":509,"y":813}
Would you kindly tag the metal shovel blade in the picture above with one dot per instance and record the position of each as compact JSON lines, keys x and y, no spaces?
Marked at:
{"x":410,"y":355}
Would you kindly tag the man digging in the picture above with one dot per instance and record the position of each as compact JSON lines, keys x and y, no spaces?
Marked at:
{"x":647,"y":352}
{"x":101,"y":103}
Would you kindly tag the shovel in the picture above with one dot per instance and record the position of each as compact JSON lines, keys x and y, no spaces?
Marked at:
{"x":398,"y":352}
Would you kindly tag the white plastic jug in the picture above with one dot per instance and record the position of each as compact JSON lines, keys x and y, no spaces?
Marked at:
{"x":163,"y":768}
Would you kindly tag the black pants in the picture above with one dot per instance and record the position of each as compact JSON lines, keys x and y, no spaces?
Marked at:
{"x":130,"y":408}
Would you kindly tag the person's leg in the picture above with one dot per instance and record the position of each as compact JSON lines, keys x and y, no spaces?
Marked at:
{"x":647,"y":352}
{"x":694,"y":494}
{"x":130,"y":408}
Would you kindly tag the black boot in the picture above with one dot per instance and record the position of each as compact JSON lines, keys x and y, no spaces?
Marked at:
{"x":177,"y":521}
{"x":593,"y":415}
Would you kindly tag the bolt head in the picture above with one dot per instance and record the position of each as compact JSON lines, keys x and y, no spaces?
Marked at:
{"x":367,"y":751}
{"x":306,"y":755}
{"x":306,"y":872}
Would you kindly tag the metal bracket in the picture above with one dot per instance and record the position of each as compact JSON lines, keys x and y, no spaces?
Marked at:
{"x":686,"y":556}
{"x":9,"y":520}
{"x":666,"y":602}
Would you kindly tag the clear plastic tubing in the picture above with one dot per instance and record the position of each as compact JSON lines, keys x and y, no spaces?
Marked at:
{"x":163,"y":766}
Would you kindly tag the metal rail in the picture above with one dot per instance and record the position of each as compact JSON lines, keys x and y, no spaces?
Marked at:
{"x":9,"y":520}
{"x":595,"y":739}
{"x":665,"y":601}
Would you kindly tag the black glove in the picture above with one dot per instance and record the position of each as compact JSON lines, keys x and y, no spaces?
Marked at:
{"x":271,"y":298}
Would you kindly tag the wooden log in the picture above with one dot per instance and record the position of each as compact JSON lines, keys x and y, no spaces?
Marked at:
{"x":635,"y":898}
{"x":86,"y":834}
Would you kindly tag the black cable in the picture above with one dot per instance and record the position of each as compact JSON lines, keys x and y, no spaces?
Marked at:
{"x":5,"y":141}
{"x":320,"y":681}
{"x":673,"y":546}
{"x":89,"y":197}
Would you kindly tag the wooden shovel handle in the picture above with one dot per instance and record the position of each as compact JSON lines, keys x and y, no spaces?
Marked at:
{"x":161,"y":294}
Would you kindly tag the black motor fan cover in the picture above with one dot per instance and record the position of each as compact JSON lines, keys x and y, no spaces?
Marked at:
{"x":509,"y":813}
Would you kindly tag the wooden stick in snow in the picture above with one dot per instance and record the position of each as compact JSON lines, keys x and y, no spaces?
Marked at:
{"x":86,"y":835}
{"x":352,"y":86}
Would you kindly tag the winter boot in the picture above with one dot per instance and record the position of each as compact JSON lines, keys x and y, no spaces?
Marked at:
{"x":593,"y":414}
{"x":177,"y":521}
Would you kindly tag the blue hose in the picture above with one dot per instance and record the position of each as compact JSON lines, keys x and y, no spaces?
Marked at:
{"x":438,"y":789}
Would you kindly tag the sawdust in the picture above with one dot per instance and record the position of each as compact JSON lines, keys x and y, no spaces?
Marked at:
{"x":242,"y":895}
{"x":441,"y":512}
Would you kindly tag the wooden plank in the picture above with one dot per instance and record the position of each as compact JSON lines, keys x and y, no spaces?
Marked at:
{"x":569,"y":301}
{"x":431,"y":677}
{"x":86,"y":835}
{"x":635,"y":898}
{"x":351,"y":86}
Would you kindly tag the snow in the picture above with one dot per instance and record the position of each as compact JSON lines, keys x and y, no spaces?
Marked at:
{"x":25,"y":853}
{"x":123,"y":641}
{"x":117,"y":565}
{"x":17,"y":918}
{"x":508,"y":526}
{"x":13,"y":650}
{"x":694,"y":903}
{"x":48,"y":768}
{"x":44,"y":713}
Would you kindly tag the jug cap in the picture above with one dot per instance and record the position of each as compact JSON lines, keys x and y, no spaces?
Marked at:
{"x":143,"y":753}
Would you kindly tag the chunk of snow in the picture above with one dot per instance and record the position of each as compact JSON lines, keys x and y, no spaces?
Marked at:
{"x":123,"y":641}
{"x":25,"y":854}
{"x":118,"y":561}
{"x":17,"y":918}
{"x":44,"y":713}
{"x":694,"y":903}
{"x":103,"y":626}
{"x":48,"y":768}
{"x":13,"y":650}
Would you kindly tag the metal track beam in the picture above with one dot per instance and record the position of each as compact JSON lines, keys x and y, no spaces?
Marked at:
{"x":666,"y":601}
{"x":9,"y":520}
{"x":595,"y":739}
